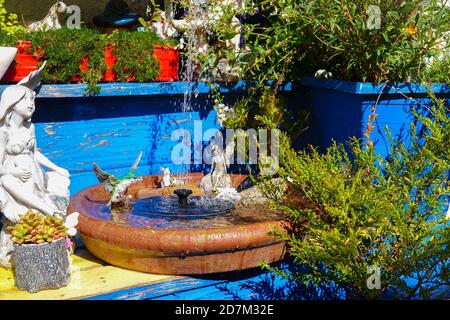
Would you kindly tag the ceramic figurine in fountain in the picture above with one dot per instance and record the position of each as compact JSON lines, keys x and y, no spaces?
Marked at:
{"x":118,"y":186}
{"x":168,"y":180}
{"x":24,"y":185}
{"x":51,"y":20}
{"x":218,"y":178}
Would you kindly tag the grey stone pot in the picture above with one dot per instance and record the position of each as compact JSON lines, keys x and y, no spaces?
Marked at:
{"x":41,"y":266}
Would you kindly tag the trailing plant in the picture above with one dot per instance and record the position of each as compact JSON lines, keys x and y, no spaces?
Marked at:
{"x":9,"y":21}
{"x":7,"y":40}
{"x":436,"y":71}
{"x":134,"y":54}
{"x":34,"y":228}
{"x":64,"y":50}
{"x":350,"y":213}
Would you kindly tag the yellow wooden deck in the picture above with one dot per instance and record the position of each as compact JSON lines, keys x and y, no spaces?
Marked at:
{"x":90,"y":277}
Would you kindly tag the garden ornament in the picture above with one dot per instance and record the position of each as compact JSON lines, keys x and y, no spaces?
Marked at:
{"x":51,"y":20}
{"x":229,"y":194}
{"x":117,"y":187}
{"x":218,"y":178}
{"x":143,"y":8}
{"x":166,"y":177}
{"x":167,"y":180}
{"x":164,"y":28}
{"x":24,"y":185}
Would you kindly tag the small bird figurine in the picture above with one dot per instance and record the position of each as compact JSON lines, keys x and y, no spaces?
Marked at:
{"x":118,"y":186}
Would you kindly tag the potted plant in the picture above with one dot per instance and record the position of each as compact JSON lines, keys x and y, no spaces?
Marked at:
{"x":376,"y":59}
{"x":90,"y":57}
{"x":135,"y":56}
{"x":41,"y":254}
{"x":142,"y":57}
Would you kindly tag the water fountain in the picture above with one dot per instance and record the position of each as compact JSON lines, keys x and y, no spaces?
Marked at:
{"x":199,"y":225}
{"x":202,"y":226}
{"x":203,"y":235}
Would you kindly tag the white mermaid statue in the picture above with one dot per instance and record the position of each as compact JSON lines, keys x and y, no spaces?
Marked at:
{"x":24,"y":184}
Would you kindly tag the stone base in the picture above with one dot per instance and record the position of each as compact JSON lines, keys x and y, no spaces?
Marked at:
{"x":41,"y":266}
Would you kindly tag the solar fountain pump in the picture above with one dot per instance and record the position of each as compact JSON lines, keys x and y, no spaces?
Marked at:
{"x":183,"y":195}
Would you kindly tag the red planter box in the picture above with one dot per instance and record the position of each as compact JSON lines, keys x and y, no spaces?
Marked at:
{"x":168,"y":63}
{"x":25,"y":63}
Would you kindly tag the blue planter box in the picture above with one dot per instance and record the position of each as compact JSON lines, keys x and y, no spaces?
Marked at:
{"x":340,"y":109}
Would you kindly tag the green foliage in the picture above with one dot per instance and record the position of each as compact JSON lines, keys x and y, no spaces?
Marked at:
{"x":34,"y":228}
{"x":295,"y":38}
{"x":338,"y":38}
{"x":356,"y":210}
{"x":9,"y":21}
{"x":64,"y":50}
{"x":436,"y":72}
{"x":134,"y":52}
{"x":267,"y":109}
{"x":7,"y":40}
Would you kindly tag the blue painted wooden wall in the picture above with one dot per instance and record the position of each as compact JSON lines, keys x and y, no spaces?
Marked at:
{"x":340,"y":109}
{"x":74,"y":130}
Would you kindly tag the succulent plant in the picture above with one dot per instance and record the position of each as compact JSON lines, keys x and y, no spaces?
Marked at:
{"x":35,"y":228}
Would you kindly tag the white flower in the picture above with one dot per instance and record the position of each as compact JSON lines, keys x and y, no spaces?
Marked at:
{"x":222,"y":112}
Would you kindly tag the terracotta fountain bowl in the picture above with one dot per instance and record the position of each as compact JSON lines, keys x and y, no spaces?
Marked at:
{"x":179,"y":251}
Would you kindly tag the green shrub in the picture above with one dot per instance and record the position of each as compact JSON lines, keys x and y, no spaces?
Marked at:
{"x":295,"y":38}
{"x":64,"y":49}
{"x":359,"y":210}
{"x":134,"y":52}
{"x":9,"y":21}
